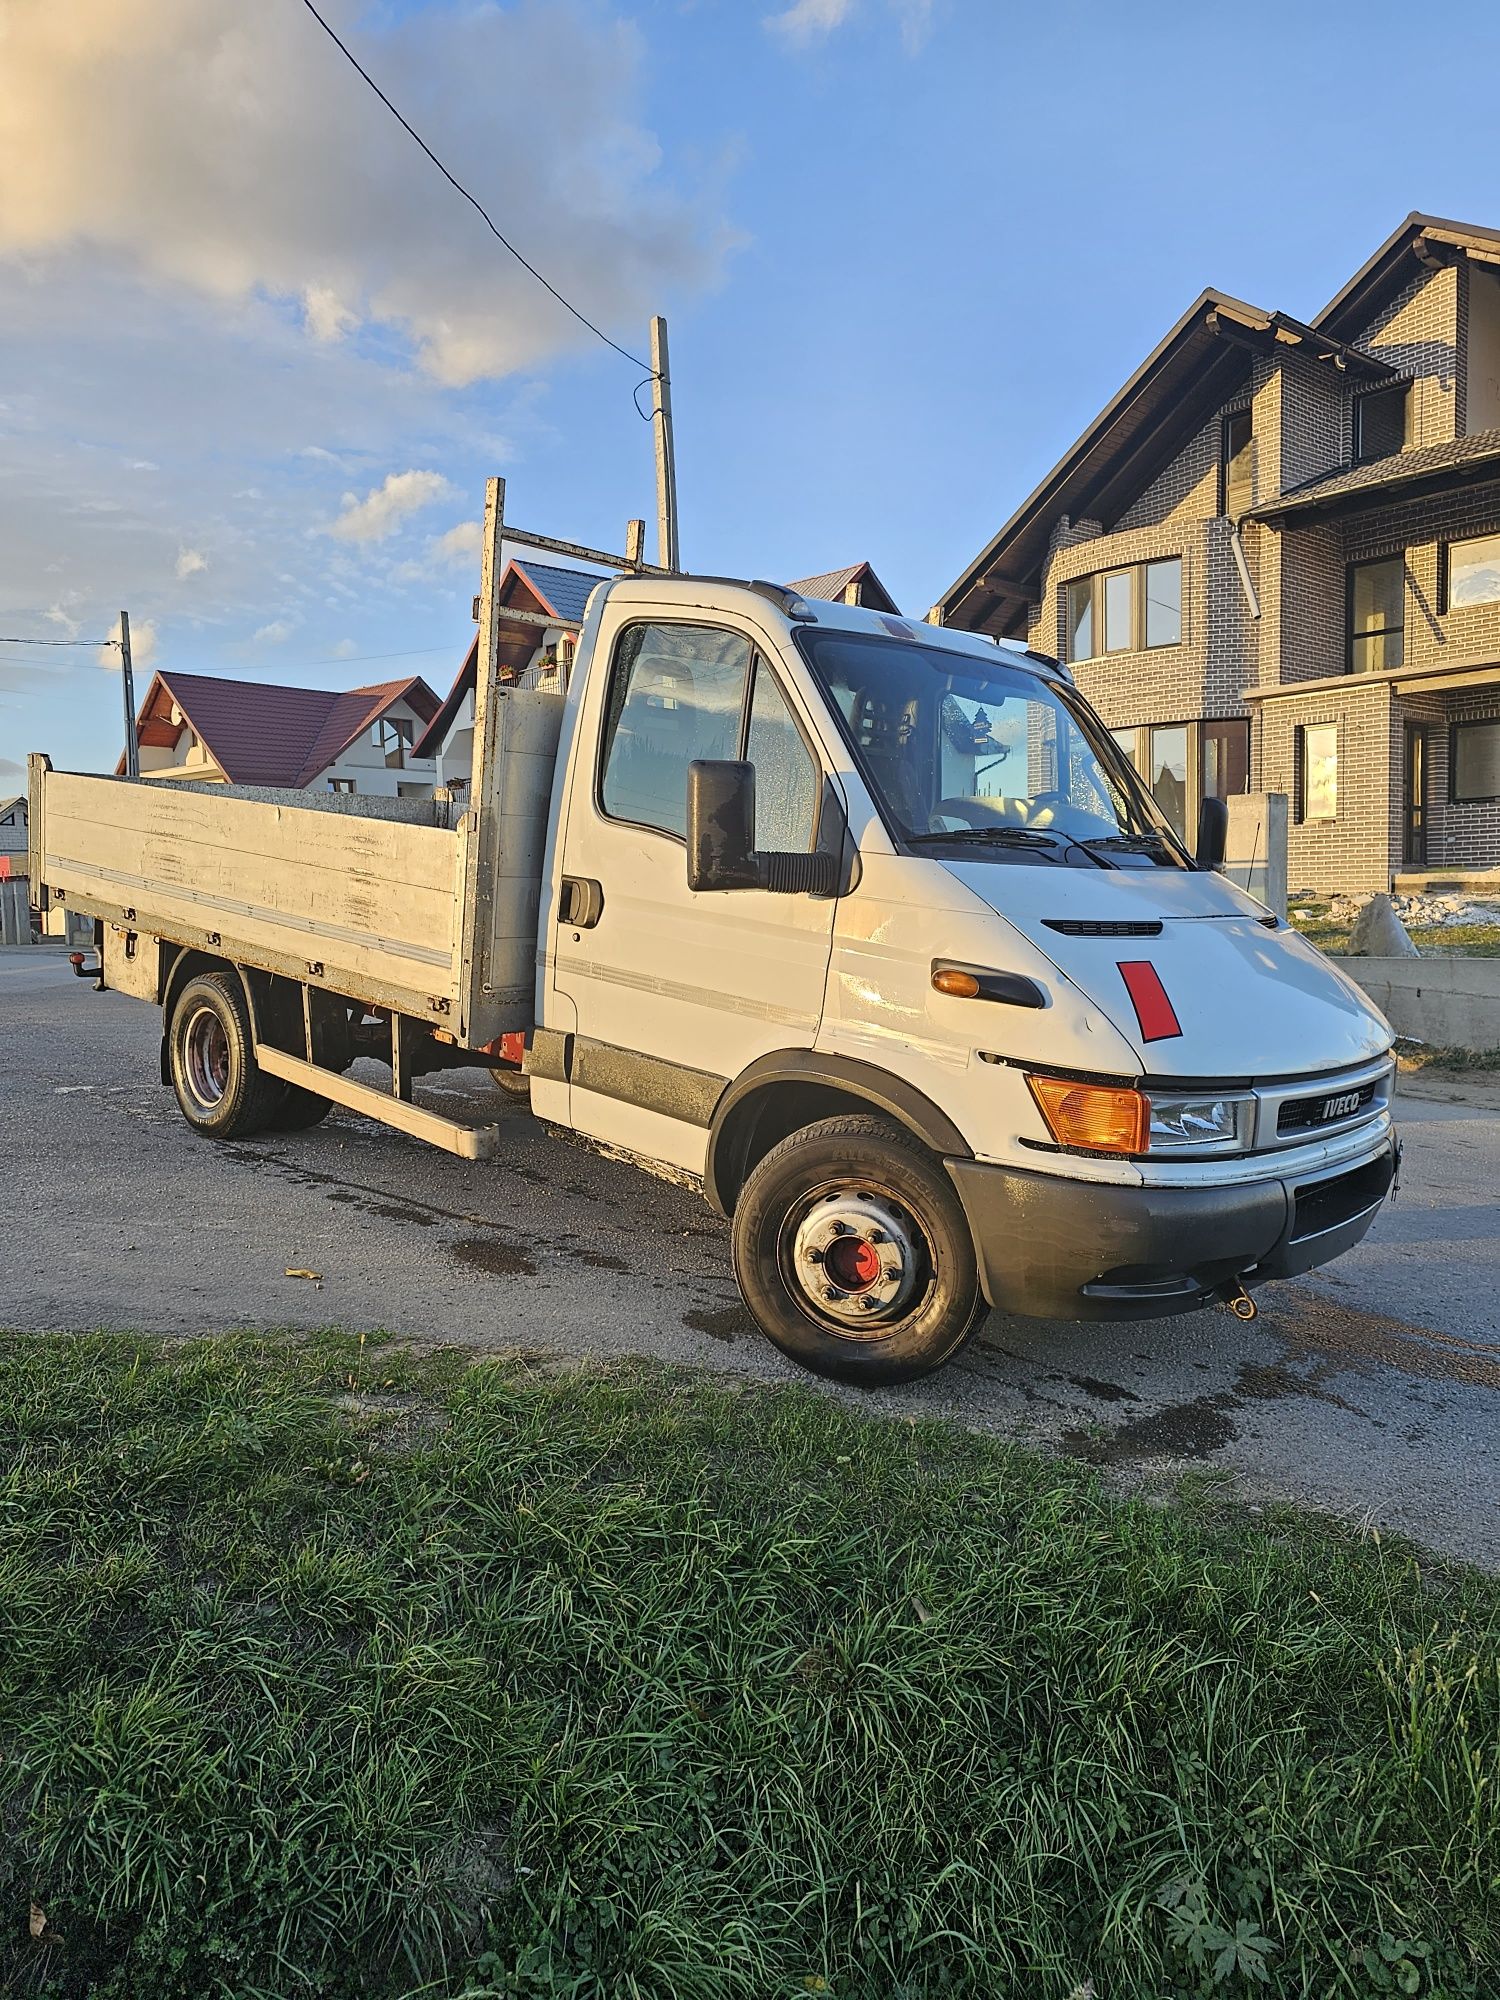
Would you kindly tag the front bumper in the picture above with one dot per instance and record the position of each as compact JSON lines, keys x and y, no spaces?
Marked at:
{"x":1051,"y":1248}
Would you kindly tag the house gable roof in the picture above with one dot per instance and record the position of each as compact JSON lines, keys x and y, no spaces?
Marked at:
{"x":560,"y":593}
{"x":1179,"y":385}
{"x":259,"y":733}
{"x":832,"y":584}
{"x":1421,"y":240}
{"x":10,"y":804}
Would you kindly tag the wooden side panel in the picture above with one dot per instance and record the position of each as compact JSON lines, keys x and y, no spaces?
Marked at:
{"x":370,"y":900}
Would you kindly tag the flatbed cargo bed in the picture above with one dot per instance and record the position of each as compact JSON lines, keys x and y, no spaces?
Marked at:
{"x":379,"y":899}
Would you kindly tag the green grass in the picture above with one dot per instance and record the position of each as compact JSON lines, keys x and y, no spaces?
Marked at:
{"x":495,"y":1679}
{"x":1418,"y":1056}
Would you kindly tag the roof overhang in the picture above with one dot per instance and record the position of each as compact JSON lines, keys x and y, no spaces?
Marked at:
{"x":1421,"y":242}
{"x":1179,"y":385}
{"x":1412,"y":482}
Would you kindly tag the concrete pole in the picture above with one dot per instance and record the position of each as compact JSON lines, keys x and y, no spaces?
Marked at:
{"x":666,"y":463}
{"x":127,"y":681}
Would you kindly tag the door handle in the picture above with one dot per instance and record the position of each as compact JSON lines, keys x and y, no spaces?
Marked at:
{"x":582,"y":902}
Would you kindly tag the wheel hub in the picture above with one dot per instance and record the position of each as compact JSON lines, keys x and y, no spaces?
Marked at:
{"x":206,"y":1057}
{"x":854,"y":1259}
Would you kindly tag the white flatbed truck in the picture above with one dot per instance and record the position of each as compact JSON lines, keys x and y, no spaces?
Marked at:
{"x":867,"y":926}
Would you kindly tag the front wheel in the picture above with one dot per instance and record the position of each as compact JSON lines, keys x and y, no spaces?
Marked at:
{"x":854,"y":1255}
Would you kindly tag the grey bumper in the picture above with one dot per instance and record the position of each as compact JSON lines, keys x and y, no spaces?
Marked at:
{"x":1050,"y":1248}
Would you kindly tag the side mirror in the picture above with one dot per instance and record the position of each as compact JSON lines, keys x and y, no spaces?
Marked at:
{"x":1213,"y":832}
{"x":721,"y":825}
{"x":721,"y":850}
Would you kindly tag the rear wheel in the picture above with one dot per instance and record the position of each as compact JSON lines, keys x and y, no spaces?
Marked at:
{"x":221,"y":1089}
{"x":514,"y":1082}
{"x":854,"y":1255}
{"x":299,"y":1109}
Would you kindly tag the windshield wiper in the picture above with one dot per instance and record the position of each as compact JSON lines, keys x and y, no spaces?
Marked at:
{"x":1130,"y":843}
{"x":1007,"y":834}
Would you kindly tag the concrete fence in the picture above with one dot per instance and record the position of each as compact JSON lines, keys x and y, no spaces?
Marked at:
{"x":1447,"y":1002}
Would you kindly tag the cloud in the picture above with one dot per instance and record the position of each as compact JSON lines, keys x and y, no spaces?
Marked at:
{"x":345,"y":649}
{"x":9,"y":768}
{"x":275,"y":634}
{"x":70,"y":626}
{"x":142,"y":646}
{"x":325,"y":315}
{"x":808,"y":21}
{"x":229,"y":150}
{"x":384,"y":508}
{"x":459,"y":546}
{"x":189,"y":563}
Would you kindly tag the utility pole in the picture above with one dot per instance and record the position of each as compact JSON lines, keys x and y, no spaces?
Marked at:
{"x":666,"y":463}
{"x":127,"y":679}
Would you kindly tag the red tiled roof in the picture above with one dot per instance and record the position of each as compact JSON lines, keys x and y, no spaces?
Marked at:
{"x":261,"y":734}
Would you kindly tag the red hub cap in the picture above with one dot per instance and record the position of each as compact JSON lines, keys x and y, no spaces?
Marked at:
{"x":851,"y":1264}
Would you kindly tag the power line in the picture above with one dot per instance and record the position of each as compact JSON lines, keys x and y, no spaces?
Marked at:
{"x":58,"y":642}
{"x":473,"y":202}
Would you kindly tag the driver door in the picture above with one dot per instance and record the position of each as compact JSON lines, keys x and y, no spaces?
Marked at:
{"x":675,"y":991}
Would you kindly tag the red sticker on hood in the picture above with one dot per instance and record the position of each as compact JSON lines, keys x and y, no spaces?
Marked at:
{"x":1148,"y":996}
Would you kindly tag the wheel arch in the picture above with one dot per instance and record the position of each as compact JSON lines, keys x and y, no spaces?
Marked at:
{"x":188,"y":964}
{"x":780,"y":1093}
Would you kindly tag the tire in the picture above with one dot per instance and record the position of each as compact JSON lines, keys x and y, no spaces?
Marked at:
{"x":514,"y":1082}
{"x":865,"y":1206}
{"x":299,"y":1109}
{"x":221,"y":1090}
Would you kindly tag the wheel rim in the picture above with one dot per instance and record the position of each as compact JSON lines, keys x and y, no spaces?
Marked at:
{"x":205,"y":1059}
{"x":855,"y":1259}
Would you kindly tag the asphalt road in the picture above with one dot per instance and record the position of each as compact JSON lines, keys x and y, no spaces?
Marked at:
{"x":1371,"y":1389}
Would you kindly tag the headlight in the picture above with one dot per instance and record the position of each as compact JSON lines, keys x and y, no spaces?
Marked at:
{"x":1100,"y":1118}
{"x":1183,"y":1124}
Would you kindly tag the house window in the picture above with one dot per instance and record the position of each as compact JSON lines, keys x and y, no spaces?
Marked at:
{"x":1117,"y":602}
{"x":341,"y":784}
{"x":1474,"y":760}
{"x":1123,"y":610}
{"x":1382,"y":422}
{"x":1081,"y":619}
{"x":1236,"y":465}
{"x":394,"y":736}
{"x":1473,"y":572}
{"x":1163,"y":596}
{"x":1377,"y":614}
{"x":1226,"y":757}
{"x":1169,"y":774}
{"x":1318,"y":772}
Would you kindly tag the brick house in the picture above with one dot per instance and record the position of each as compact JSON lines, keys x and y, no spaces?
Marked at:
{"x":1274,"y":564}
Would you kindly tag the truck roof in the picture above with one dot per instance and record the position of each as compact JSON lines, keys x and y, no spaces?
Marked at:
{"x":716,"y":593}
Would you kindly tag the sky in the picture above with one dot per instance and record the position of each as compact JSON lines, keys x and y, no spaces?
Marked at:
{"x":257,"y":358}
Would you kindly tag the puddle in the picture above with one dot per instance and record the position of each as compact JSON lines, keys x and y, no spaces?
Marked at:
{"x":1103,"y":1392}
{"x":489,"y":1253}
{"x":1195,"y":1429}
{"x":725,"y":1323}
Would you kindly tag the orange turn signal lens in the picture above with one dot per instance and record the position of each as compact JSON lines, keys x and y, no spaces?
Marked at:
{"x":961,"y":985}
{"x":1096,"y":1116}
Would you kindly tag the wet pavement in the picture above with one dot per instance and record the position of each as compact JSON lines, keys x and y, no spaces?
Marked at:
{"x":1369,"y":1388}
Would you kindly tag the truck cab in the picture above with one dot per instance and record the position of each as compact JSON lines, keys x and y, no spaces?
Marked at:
{"x":870,"y":926}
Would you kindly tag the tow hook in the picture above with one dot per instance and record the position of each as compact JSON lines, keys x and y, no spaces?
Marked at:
{"x":1238,"y":1300}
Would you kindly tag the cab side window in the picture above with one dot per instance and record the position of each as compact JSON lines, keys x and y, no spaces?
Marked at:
{"x":677,"y":693}
{"x":786,"y":778}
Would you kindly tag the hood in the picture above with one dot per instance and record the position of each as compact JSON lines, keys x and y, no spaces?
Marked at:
{"x":1246,"y":1000}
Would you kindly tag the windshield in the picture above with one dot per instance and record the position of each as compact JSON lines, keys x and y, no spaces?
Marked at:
{"x":986,"y":758}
